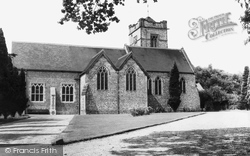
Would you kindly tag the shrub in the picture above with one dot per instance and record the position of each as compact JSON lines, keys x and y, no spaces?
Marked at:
{"x":187,"y":109}
{"x":174,"y":103}
{"x":141,"y":111}
{"x":160,"y":110}
{"x":242,"y":105}
{"x":233,"y":107}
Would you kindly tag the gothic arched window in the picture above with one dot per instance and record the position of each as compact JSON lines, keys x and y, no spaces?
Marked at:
{"x":102,"y":79}
{"x":183,"y":85}
{"x":149,"y":86}
{"x":158,"y":86}
{"x":130,"y":80}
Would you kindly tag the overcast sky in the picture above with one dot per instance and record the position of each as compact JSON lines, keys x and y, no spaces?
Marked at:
{"x":36,"y":21}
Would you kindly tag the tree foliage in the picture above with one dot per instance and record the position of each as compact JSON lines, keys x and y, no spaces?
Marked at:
{"x":12,"y":84}
{"x":245,"y":19}
{"x":93,"y":16}
{"x":174,"y":88}
{"x":244,"y":83}
{"x":244,"y":88}
{"x":219,"y":85}
{"x":205,"y":97}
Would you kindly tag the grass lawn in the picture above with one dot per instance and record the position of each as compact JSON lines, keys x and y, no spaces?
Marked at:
{"x":87,"y":127}
{"x":12,"y":119}
{"x":235,"y":141}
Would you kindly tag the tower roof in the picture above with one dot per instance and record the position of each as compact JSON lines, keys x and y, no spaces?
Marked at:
{"x":149,"y":19}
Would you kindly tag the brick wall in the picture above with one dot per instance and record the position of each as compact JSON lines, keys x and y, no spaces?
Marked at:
{"x":53,"y":79}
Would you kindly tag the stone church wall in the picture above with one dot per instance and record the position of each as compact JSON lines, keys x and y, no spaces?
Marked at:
{"x":189,"y":101}
{"x":53,"y":79}
{"x":132,"y":99}
{"x":159,"y":101}
{"x":101,"y":101}
{"x":162,"y":37}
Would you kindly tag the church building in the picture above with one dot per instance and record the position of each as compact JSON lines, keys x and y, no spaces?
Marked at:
{"x":69,"y":79}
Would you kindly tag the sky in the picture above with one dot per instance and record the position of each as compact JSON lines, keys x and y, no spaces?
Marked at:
{"x":37,"y":21}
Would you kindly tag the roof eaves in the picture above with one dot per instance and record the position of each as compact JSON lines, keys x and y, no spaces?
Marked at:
{"x":51,"y":70}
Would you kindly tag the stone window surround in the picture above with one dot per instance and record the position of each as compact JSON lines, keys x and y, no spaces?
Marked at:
{"x":44,"y":91}
{"x":159,"y":85}
{"x":183,"y":85}
{"x":74,"y":91}
{"x":150,"y":86}
{"x":153,"y":85}
{"x":105,"y":82}
{"x":154,"y":40}
{"x":130,"y":68}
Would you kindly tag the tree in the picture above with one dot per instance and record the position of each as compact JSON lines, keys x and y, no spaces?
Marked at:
{"x":245,"y":19}
{"x":4,"y":85}
{"x":244,"y":88}
{"x":220,"y":85}
{"x":93,"y":16}
{"x":174,"y":88}
{"x":21,"y":98}
{"x":205,"y":97}
{"x":244,"y":83}
{"x":12,"y":84}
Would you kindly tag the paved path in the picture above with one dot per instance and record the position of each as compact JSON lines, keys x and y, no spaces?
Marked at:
{"x":211,"y":120}
{"x":38,"y":129}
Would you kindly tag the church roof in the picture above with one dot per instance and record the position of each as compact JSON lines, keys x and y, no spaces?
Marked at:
{"x":95,"y":58}
{"x":161,"y":59}
{"x":123,"y":60}
{"x":54,"y":57}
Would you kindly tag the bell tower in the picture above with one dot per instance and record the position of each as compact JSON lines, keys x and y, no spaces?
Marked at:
{"x":148,"y":33}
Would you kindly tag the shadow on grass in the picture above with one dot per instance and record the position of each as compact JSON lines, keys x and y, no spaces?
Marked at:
{"x":13,"y":137}
{"x":28,"y":120}
{"x":234,"y":141}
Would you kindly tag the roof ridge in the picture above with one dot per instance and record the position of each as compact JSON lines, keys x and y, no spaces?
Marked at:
{"x":61,"y":44}
{"x":124,"y":56}
{"x":155,"y":48}
{"x":97,"y":54}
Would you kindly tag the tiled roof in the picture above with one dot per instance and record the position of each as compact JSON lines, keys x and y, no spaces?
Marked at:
{"x":161,"y":59}
{"x":53,"y":57}
{"x":123,"y":60}
{"x":37,"y":56}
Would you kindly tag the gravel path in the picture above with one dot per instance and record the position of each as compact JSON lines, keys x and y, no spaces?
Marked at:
{"x":211,"y":120}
